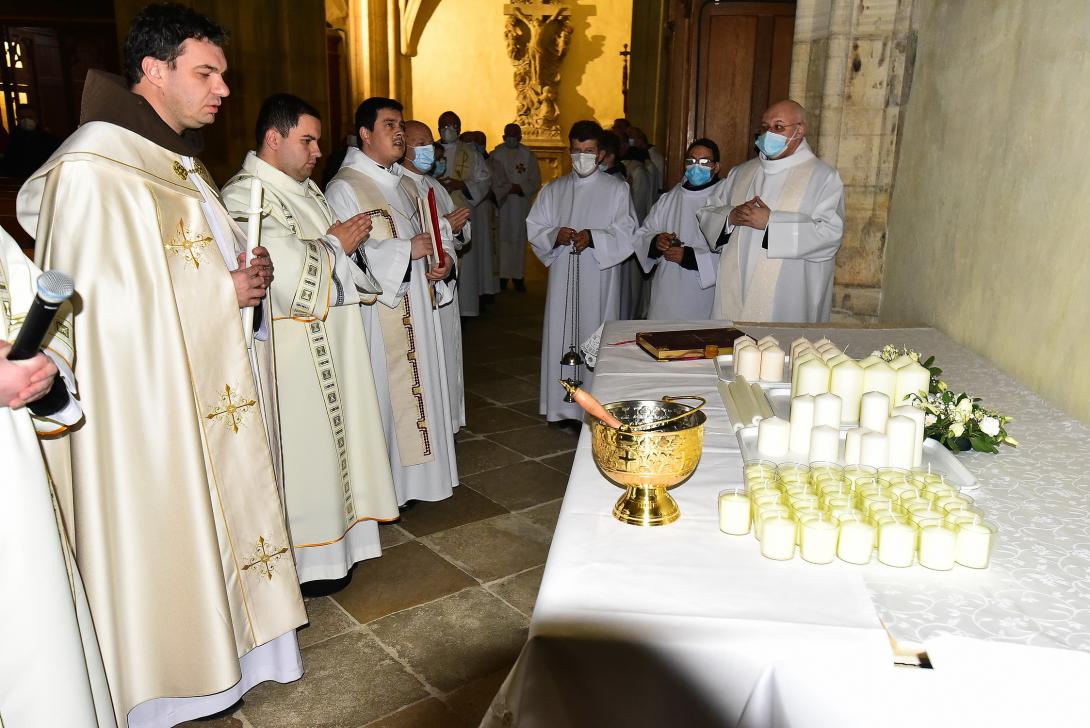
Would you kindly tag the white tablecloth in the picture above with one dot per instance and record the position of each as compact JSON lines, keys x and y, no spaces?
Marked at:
{"x":683,"y":625}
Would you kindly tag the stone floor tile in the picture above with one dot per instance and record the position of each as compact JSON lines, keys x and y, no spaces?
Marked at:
{"x":430,"y":713}
{"x":537,"y":441}
{"x":471,"y":701}
{"x":561,"y":462}
{"x":391,"y":534}
{"x":349,"y":681}
{"x":455,"y":640}
{"x":465,"y":506}
{"x":520,"y":590}
{"x":476,"y":456}
{"x":474,"y":401}
{"x":465,"y":433}
{"x":529,"y":408}
{"x":326,"y":620}
{"x":497,"y":419}
{"x":405,"y":576}
{"x":520,"y":485}
{"x":493,"y":548}
{"x":523,"y":366}
{"x":480,"y":373}
{"x":545,"y":515}
{"x":505,"y":389}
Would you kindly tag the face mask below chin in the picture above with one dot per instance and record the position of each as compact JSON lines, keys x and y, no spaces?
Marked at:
{"x":583,"y":163}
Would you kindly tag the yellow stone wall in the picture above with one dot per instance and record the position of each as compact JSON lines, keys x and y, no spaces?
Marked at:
{"x":461,"y":64}
{"x":987,"y":230}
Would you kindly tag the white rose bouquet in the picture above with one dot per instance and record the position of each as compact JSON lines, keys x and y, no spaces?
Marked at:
{"x":958,"y":421}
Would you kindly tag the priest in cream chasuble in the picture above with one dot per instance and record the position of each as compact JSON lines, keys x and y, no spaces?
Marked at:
{"x":416,"y":165}
{"x":168,"y":490}
{"x":337,"y":481}
{"x":777,"y":222}
{"x":46,"y":629}
{"x":403,"y":327}
{"x":590,"y":212}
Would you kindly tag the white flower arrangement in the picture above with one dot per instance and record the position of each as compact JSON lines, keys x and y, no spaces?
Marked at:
{"x":958,"y":421}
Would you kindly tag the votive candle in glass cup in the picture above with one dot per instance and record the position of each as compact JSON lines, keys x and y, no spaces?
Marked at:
{"x":965,"y":514}
{"x":817,"y":539}
{"x":825,"y":468}
{"x":918,"y":501}
{"x":856,"y":472}
{"x":899,"y":490}
{"x":834,"y":486}
{"x":875,"y":503}
{"x":763,"y":513}
{"x":894,"y":475}
{"x":941,"y":488}
{"x":838,"y":501}
{"x":778,"y":537}
{"x":974,"y":543}
{"x":799,"y":489}
{"x":793,"y":473}
{"x":926,"y":516}
{"x":896,"y":542}
{"x":802,"y":500}
{"x":953,"y":502}
{"x":938,"y":547}
{"x":846,"y":514}
{"x":766,"y":496}
{"x":803,"y":514}
{"x":734,"y":511}
{"x":758,"y":470}
{"x":855,"y":543}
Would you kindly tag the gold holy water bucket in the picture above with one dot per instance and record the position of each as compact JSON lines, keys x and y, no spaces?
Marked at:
{"x":659,"y":449}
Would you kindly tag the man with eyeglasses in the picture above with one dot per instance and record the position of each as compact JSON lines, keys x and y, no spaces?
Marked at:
{"x":777,"y":222}
{"x":670,"y":244}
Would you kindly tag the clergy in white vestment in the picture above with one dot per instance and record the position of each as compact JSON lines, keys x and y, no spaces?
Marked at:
{"x":169,"y":489}
{"x":337,"y":481}
{"x":670,"y":245}
{"x":516,"y":178}
{"x":417,"y":163}
{"x":581,"y":226}
{"x":48,"y":638}
{"x":777,"y":222}
{"x":403,"y":326}
{"x":467,"y":177}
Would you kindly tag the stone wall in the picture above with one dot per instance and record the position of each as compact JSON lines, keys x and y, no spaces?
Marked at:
{"x":852,"y":68}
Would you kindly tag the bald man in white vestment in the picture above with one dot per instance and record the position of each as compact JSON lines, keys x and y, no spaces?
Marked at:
{"x":337,"y":480}
{"x":777,"y":222}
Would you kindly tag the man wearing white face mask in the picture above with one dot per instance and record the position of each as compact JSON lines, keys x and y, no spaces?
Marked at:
{"x":582,"y":221}
{"x":516,"y":178}
{"x":777,"y":222}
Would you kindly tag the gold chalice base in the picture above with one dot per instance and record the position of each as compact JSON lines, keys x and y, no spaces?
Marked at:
{"x":647,"y":464}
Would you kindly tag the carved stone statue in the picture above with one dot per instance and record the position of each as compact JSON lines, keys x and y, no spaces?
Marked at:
{"x":537,"y":33}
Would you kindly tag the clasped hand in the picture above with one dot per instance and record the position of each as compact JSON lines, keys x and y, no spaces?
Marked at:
{"x":753,"y":213}
{"x":26,"y":380}
{"x":253,"y":282}
{"x":352,"y":232}
{"x":580,"y":240}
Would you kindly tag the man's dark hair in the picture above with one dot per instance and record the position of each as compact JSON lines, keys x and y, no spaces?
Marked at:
{"x":159,"y":31}
{"x":610,"y":144}
{"x":585,"y":130}
{"x":367,"y":112}
{"x":281,"y":112}
{"x":704,"y":142}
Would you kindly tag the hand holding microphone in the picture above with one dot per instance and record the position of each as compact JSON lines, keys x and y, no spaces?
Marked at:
{"x":54,"y":289}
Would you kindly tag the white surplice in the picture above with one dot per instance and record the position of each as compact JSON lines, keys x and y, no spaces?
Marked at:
{"x":601,"y":204}
{"x":409,"y":368}
{"x":510,"y":167}
{"x":337,"y":481}
{"x":477,"y":276}
{"x":793,"y":279}
{"x":46,"y":629}
{"x":678,"y":293}
{"x":450,"y":313}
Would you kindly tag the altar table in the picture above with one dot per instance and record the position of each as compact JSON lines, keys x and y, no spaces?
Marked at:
{"x":682,"y":625}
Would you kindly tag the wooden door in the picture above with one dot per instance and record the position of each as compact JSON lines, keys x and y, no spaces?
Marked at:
{"x":727,"y":62}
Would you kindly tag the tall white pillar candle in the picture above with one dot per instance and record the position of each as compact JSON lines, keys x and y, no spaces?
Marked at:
{"x":869,"y":360}
{"x":817,"y":539}
{"x":813,"y":377}
{"x":796,"y":364}
{"x":802,"y":421}
{"x":853,"y":445}
{"x":833,"y":361}
{"x":827,"y":410}
{"x":902,"y":361}
{"x":799,"y":345}
{"x":901,"y":432}
{"x":734,"y":508}
{"x":772,"y":364}
{"x":874,"y":411}
{"x":912,"y":378}
{"x":822,"y":343}
{"x":917,"y":415}
{"x":896,"y":543}
{"x":938,"y":547}
{"x":974,"y":544}
{"x":856,"y":541}
{"x":773,"y":437}
{"x":770,"y":339}
{"x":824,"y":444}
{"x":846,"y":382}
{"x":747,"y":362}
{"x":878,"y":377}
{"x":874,"y":450}
{"x":744,"y":340}
{"x":778,"y":538}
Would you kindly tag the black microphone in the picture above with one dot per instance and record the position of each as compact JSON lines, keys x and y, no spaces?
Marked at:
{"x":54,"y":288}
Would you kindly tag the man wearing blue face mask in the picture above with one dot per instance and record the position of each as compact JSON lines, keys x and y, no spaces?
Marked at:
{"x":777,"y":222}
{"x":516,"y":178}
{"x":670,"y":243}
